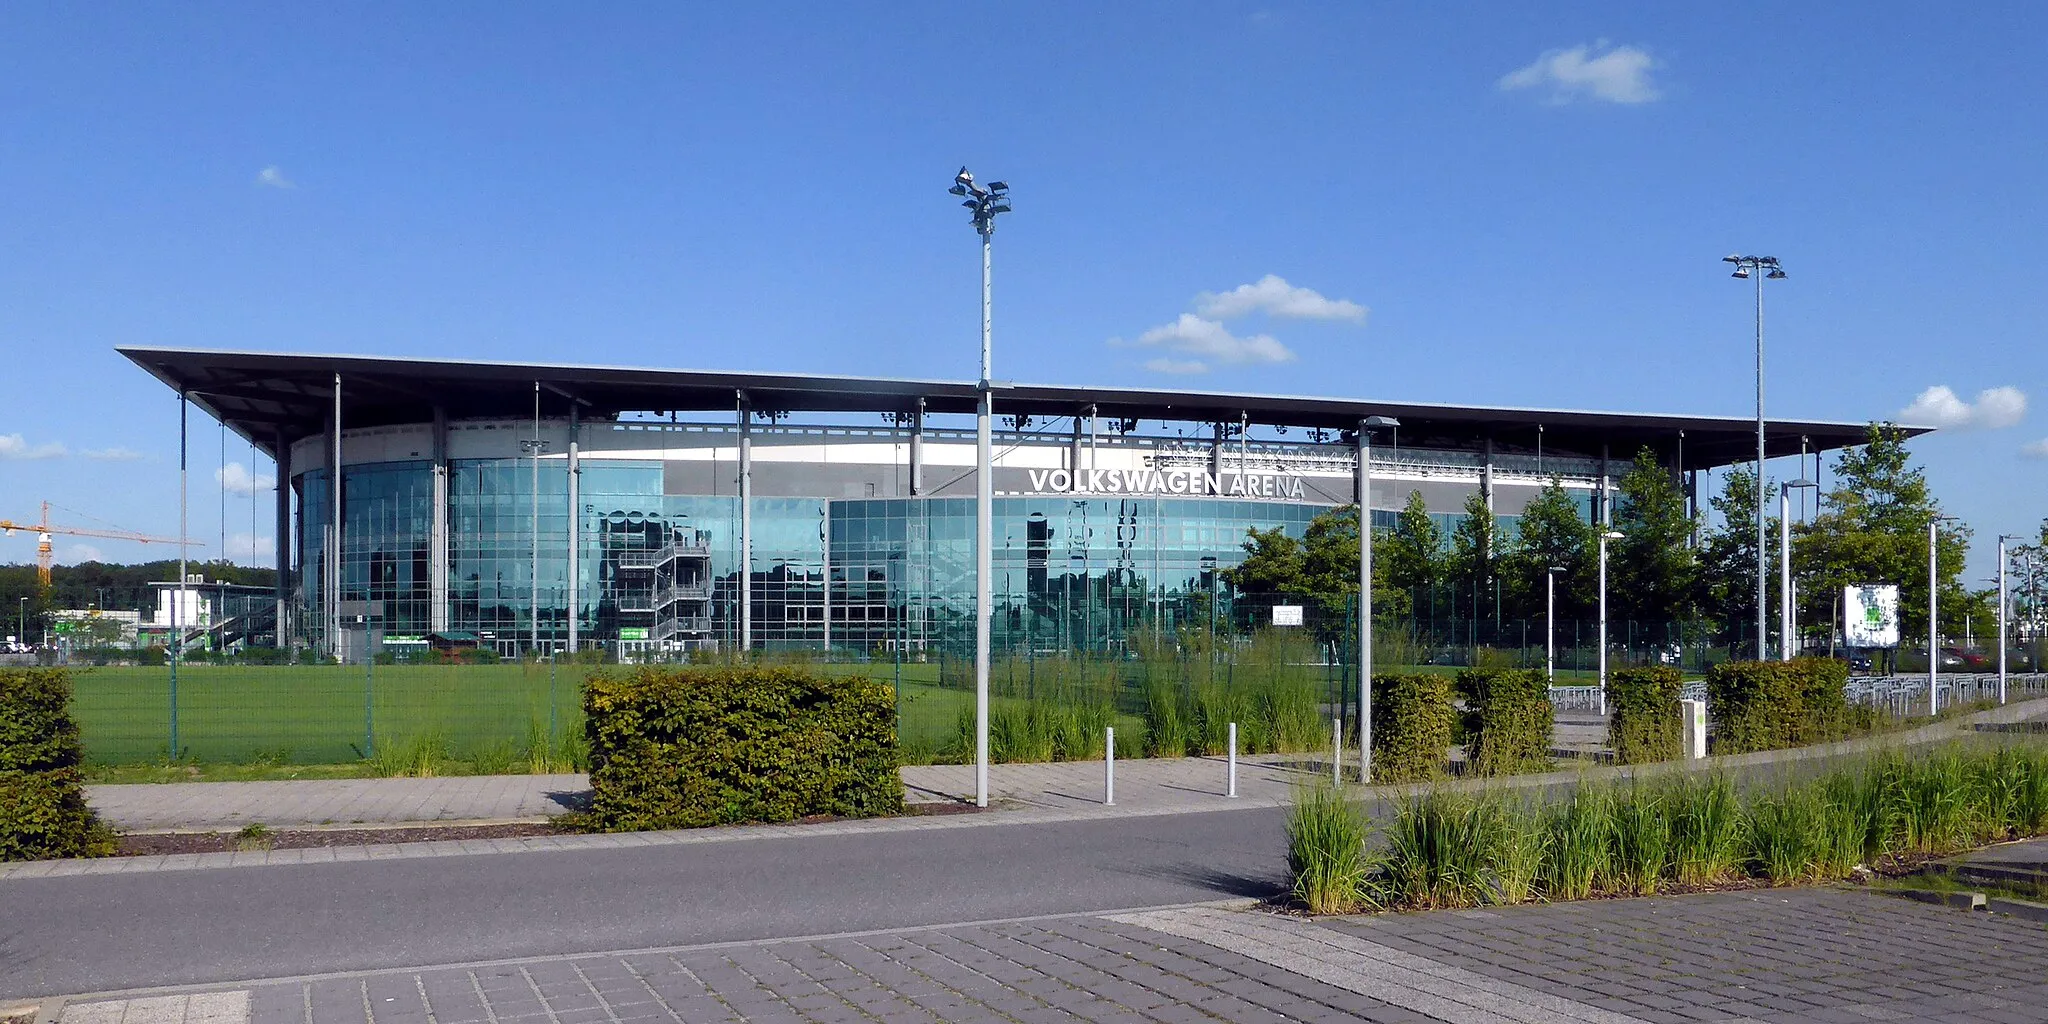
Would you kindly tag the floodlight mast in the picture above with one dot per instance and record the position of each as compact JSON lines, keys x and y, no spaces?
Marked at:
{"x":1761,"y":268}
{"x":985,"y":203}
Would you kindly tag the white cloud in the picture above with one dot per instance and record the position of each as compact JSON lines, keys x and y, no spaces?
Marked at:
{"x":1168,"y":364}
{"x":273,"y":177}
{"x":2035,"y":449}
{"x":14,"y":446}
{"x":1994,"y":409}
{"x":114,"y":454}
{"x":1274,"y":296}
{"x":1619,"y":74}
{"x":236,"y":479}
{"x":247,"y":549}
{"x":76,"y":553}
{"x":1206,"y":339}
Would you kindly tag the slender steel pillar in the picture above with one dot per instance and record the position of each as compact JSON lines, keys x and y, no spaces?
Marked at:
{"x":437,"y":535}
{"x":746,"y":568}
{"x":574,"y":600}
{"x":333,"y":616}
{"x":2001,"y":618}
{"x":1364,"y":487}
{"x":1933,"y":616}
{"x":1785,"y":631}
{"x":1763,"y":645}
{"x":917,"y":450}
{"x":282,"y":530}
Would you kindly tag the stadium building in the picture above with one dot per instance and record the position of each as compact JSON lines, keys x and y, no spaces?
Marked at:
{"x":572,"y":506}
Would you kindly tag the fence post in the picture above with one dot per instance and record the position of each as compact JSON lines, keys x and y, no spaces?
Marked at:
{"x":1231,"y":790}
{"x":1693,"y":719}
{"x":369,"y":697}
{"x":1109,"y":766}
{"x":174,"y":705}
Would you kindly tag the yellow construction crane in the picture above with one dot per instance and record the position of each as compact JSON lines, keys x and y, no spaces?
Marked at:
{"x":45,"y":528}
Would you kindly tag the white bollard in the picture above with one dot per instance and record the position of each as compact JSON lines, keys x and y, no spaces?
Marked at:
{"x":1337,"y":751}
{"x":1231,"y":791}
{"x":1693,"y":716}
{"x":1109,"y":767}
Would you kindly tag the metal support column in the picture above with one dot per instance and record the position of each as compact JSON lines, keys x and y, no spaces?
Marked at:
{"x":334,"y":560}
{"x":283,"y":532}
{"x":917,"y":450}
{"x":746,"y":556}
{"x":574,"y":601}
{"x":437,"y":535}
{"x":1364,"y":487}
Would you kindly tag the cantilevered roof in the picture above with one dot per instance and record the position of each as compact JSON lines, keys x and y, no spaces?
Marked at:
{"x":270,"y":398}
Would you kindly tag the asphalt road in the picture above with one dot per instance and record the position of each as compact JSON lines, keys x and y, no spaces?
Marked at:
{"x":61,"y":936}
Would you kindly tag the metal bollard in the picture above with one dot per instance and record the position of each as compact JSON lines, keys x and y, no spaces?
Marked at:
{"x":1337,"y":751}
{"x":1231,"y":791}
{"x":1109,"y":766}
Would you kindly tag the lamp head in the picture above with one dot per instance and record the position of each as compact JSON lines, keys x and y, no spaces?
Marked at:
{"x":1731,"y":258}
{"x":958,"y":190}
{"x":1775,"y":275}
{"x":1377,"y":422}
{"x":1611,"y":535}
{"x":1741,"y":272}
{"x":963,"y":179}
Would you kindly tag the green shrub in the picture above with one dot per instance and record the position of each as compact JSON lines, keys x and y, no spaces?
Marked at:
{"x":1755,"y":705}
{"x":1508,"y":721}
{"x":1644,"y":723}
{"x":1326,"y":853}
{"x":687,"y":747}
{"x":42,"y":799}
{"x":1412,"y":720}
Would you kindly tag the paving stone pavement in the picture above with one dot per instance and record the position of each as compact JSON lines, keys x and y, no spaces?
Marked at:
{"x":1819,"y":955}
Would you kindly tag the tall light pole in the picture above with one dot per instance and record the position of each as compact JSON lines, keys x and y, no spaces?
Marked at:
{"x":1761,"y":268}
{"x":1787,"y":611}
{"x":984,"y":203}
{"x":1366,"y":426}
{"x":1934,"y":611}
{"x":2002,"y":538}
{"x":534,"y":446}
{"x":1550,"y":625}
{"x":1605,"y":536}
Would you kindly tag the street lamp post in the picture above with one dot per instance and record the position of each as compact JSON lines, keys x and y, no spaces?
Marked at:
{"x":534,"y":446}
{"x":984,"y":203}
{"x":1761,"y":268}
{"x":1365,"y":428}
{"x":1787,"y":611}
{"x":2002,"y":602}
{"x":1550,"y":625}
{"x":1605,"y":536}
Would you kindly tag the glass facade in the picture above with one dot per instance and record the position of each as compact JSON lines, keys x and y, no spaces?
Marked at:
{"x":661,"y":571}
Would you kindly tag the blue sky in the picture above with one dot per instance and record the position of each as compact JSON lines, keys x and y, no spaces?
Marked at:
{"x":1526,"y":204}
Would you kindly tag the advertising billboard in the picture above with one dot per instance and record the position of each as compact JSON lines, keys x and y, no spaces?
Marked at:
{"x":1870,"y":615}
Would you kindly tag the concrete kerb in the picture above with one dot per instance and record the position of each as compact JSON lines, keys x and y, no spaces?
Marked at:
{"x":1815,"y":755}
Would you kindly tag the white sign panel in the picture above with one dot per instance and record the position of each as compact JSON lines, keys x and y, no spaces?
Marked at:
{"x":1286,"y":615}
{"x":1870,"y":615}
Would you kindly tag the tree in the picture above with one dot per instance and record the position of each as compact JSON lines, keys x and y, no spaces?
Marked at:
{"x":1475,"y":547}
{"x":1727,"y":559}
{"x":1653,"y":570}
{"x":1320,"y":569}
{"x":1414,"y":553}
{"x":1553,"y":532}
{"x":1873,"y":529}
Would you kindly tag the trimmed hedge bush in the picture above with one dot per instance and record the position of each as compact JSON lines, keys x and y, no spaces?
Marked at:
{"x":1508,"y":720}
{"x":1645,"y":724}
{"x":720,"y":745}
{"x":42,"y":799}
{"x":1768,"y":705}
{"x":1412,"y":718}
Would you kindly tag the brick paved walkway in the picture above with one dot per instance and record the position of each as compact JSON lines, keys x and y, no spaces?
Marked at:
{"x":1819,"y":955}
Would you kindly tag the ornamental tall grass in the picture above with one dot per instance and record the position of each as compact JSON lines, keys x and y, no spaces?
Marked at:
{"x":1447,"y":849}
{"x":1326,"y":854}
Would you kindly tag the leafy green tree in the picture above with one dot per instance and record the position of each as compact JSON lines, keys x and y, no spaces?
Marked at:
{"x":1475,"y":552}
{"x":1553,"y":532}
{"x":1652,"y":570}
{"x":1873,"y":529}
{"x":1727,"y":559}
{"x":1321,"y":569}
{"x":1414,"y":556}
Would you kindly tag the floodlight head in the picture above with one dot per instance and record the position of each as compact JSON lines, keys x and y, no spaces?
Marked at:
{"x":1724,"y":259}
{"x":1741,"y":272}
{"x":998,"y":186}
{"x":963,"y":178}
{"x":1775,"y":275}
{"x":1802,"y":482}
{"x":970,"y":204}
{"x":1556,"y":568}
{"x":1377,"y":422}
{"x":1611,"y":535}
{"x":958,"y":190}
